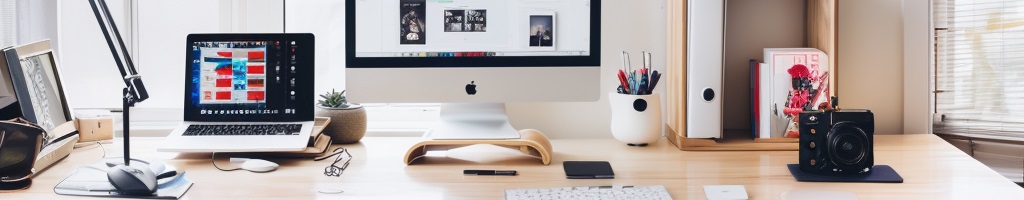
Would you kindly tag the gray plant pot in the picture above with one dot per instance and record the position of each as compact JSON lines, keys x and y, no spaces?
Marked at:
{"x":348,"y":125}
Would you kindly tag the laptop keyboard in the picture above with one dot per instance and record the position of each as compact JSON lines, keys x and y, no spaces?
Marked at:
{"x":262,"y":129}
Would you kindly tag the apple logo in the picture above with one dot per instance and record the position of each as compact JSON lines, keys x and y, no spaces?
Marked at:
{"x":471,"y":88}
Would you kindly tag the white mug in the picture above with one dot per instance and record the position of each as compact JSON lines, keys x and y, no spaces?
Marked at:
{"x":636,"y":119}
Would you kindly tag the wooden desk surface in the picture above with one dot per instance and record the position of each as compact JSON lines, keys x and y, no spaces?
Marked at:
{"x":932,"y":169}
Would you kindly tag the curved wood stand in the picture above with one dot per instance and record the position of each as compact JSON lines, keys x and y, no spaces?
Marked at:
{"x":531,"y":142}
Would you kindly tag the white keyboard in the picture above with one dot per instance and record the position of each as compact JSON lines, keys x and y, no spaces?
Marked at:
{"x":591,"y":192}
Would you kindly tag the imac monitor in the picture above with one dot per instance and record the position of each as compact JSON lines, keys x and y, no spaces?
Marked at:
{"x":473,"y":56}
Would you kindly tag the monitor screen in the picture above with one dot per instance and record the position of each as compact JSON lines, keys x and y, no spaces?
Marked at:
{"x":254,"y":80}
{"x":473,"y":33}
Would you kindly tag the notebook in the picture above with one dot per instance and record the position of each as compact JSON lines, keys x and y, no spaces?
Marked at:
{"x":588,"y":170}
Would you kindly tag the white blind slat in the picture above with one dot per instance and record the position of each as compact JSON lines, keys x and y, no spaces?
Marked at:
{"x":979,"y":67}
{"x":7,"y":23}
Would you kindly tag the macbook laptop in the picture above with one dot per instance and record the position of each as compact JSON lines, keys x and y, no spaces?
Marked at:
{"x":246,"y":93}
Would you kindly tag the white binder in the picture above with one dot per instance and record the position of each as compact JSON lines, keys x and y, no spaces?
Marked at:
{"x":705,"y":41}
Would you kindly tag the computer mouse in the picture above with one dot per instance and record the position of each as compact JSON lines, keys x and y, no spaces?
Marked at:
{"x":257,"y":165}
{"x":161,"y":169}
{"x":132,"y":180}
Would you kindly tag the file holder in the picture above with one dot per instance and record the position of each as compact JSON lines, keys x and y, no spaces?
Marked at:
{"x":531,"y":142}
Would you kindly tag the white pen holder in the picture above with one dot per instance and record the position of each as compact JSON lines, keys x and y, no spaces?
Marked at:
{"x":636,"y":119}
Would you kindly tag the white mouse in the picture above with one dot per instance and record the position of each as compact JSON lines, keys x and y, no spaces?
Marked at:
{"x":255,"y":165}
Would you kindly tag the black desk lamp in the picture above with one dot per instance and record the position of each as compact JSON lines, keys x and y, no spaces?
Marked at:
{"x":134,"y":91}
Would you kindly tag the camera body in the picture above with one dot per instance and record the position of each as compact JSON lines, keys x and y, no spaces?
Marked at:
{"x":837,"y":142}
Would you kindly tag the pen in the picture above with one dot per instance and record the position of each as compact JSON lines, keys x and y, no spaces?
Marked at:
{"x":622,"y":80}
{"x":634,"y":83}
{"x":490,"y":172}
{"x":655,"y":77}
{"x":625,"y":61}
{"x":643,"y":83}
{"x":648,"y":76}
{"x":647,"y":61}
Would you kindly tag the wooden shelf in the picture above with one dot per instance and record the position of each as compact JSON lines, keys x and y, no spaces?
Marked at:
{"x":821,"y":32}
{"x":732,"y":141}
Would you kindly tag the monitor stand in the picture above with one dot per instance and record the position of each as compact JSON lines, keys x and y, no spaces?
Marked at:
{"x":469,"y":124}
{"x":473,"y":121}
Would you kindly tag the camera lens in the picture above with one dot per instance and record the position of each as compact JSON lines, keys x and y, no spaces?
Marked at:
{"x":849,"y":144}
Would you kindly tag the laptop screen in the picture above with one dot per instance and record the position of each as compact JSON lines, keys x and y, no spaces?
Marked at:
{"x":249,"y":77}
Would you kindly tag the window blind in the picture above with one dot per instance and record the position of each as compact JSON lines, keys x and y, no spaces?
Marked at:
{"x":7,"y":23}
{"x":979,"y":68}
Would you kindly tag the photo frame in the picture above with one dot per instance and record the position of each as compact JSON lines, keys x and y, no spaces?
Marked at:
{"x":9,"y":108}
{"x":543,"y":30}
{"x":37,"y":84}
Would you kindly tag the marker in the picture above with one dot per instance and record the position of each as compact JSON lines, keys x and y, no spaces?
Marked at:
{"x":490,"y":172}
{"x":626,"y":62}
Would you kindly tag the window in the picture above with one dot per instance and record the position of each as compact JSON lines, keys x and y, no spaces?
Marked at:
{"x":7,"y":23}
{"x":979,"y":68}
{"x":155,"y":31}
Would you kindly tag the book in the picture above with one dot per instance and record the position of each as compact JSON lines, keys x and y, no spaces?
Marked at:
{"x":754,"y":97}
{"x":763,"y":107}
{"x":798,"y":81}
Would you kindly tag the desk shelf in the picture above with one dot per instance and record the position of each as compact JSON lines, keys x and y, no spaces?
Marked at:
{"x":820,"y":31}
{"x":732,"y":141}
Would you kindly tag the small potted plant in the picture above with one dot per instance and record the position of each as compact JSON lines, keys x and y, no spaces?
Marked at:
{"x":348,"y":121}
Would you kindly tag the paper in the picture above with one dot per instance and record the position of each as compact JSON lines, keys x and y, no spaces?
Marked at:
{"x":725,"y":192}
{"x":92,"y":181}
{"x":817,"y":195}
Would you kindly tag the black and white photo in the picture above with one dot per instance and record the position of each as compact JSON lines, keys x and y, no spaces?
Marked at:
{"x":454,"y":20}
{"x":476,"y":21}
{"x":412,"y":18}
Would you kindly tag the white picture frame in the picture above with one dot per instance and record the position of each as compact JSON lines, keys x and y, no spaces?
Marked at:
{"x":37,"y":84}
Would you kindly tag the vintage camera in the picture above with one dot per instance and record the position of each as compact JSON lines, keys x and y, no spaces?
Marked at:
{"x":837,"y":142}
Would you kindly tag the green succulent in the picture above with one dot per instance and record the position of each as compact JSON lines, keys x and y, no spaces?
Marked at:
{"x":334,"y":99}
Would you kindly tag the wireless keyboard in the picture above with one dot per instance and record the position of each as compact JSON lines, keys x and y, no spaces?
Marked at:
{"x":591,"y":192}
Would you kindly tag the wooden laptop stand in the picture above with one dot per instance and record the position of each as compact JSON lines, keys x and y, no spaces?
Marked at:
{"x":531,"y":142}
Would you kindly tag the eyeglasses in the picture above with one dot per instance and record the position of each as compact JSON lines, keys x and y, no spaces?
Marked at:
{"x":18,"y":136}
{"x":333,"y":169}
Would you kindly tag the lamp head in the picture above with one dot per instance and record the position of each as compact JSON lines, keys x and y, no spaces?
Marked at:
{"x":136,"y":88}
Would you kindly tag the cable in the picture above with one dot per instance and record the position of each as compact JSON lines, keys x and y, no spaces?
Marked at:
{"x":213,"y":160}
{"x":333,"y":153}
{"x":98,"y":143}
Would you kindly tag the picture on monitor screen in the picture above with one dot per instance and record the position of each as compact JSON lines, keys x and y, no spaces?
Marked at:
{"x":542,"y":30}
{"x":245,"y":78}
{"x":473,"y":28}
{"x":472,"y":33}
{"x":412,"y":22}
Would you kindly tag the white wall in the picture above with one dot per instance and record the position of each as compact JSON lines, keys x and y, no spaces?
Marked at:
{"x":628,"y":25}
{"x":92,"y":78}
{"x":870,"y":63}
{"x":785,"y":27}
{"x":917,"y":56}
{"x":329,"y":31}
